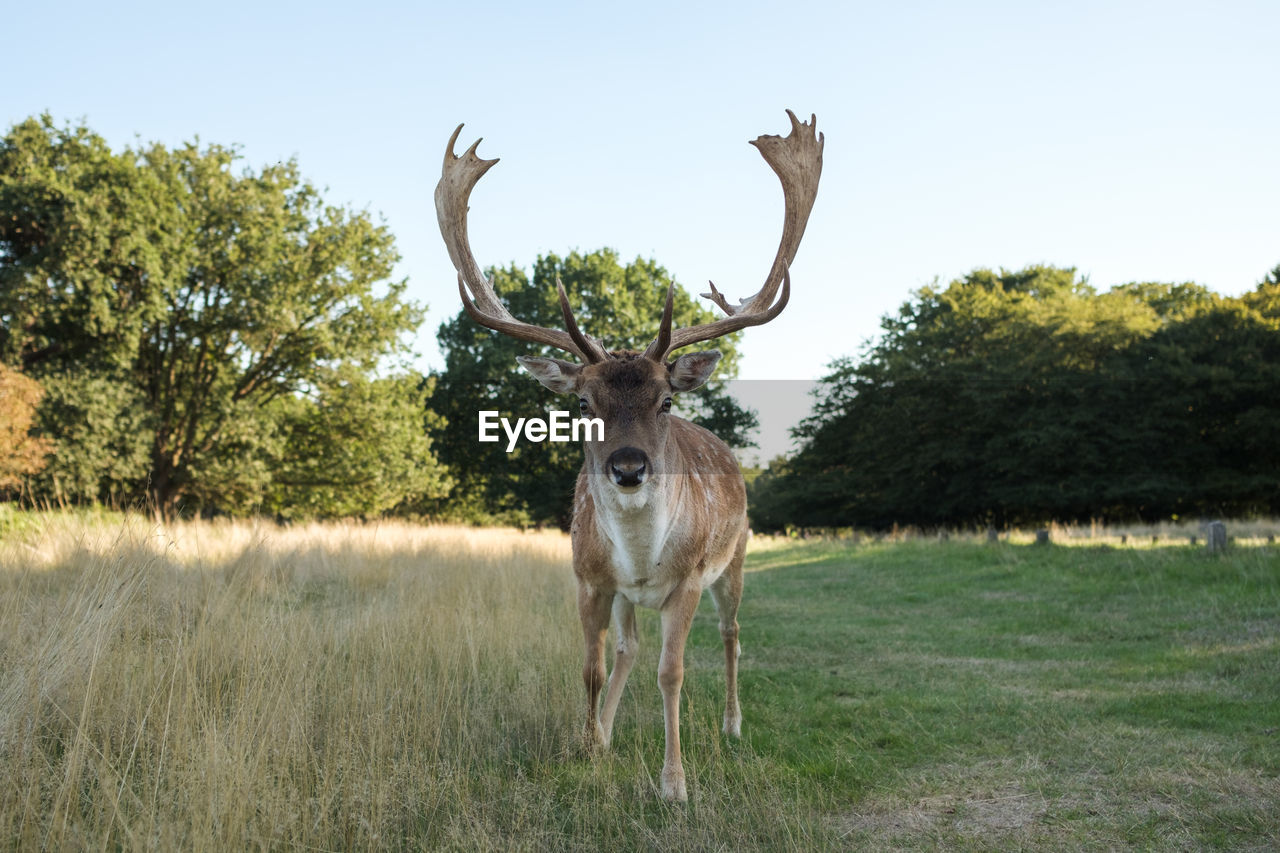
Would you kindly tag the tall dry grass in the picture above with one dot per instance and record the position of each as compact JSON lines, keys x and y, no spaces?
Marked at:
{"x":239,"y":686}
{"x":234,"y":686}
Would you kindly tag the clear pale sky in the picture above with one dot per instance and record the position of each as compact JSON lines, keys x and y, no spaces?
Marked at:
{"x":1134,"y":141}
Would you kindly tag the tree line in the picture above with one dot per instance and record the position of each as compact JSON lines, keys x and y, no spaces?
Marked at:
{"x":1017,"y":397}
{"x":186,"y":334}
{"x":180,"y":333}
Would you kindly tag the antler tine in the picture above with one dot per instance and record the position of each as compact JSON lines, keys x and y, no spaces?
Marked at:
{"x":657,"y":351}
{"x":589,"y":347}
{"x":725,"y":325}
{"x":458,"y":177}
{"x":797,"y":161}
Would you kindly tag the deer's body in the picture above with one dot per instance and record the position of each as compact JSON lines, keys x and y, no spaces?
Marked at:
{"x":660,"y":509}
{"x":689,"y":535}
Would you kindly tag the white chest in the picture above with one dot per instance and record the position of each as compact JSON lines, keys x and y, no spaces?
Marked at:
{"x":638,"y":544}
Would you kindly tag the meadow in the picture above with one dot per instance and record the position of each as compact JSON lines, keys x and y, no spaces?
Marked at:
{"x":214,"y":686}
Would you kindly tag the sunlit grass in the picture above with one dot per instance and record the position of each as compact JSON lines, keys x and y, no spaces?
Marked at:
{"x":240,"y":685}
{"x":216,"y":686}
{"x":1164,"y":534}
{"x":229,"y":686}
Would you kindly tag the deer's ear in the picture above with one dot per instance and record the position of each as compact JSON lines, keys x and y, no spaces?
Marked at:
{"x":560,"y":376}
{"x":692,"y":370}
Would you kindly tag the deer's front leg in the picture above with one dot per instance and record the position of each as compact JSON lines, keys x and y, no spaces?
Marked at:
{"x":677,"y":617}
{"x":624,"y":617}
{"x":593,"y":610}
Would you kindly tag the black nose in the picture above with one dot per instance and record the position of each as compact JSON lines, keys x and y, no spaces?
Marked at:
{"x":627,"y":465}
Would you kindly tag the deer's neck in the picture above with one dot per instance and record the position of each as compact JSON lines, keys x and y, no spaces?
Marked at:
{"x":638,"y":528}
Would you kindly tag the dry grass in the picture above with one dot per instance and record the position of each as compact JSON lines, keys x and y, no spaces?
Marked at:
{"x":237,"y":685}
{"x":1166,"y":533}
{"x":234,"y":686}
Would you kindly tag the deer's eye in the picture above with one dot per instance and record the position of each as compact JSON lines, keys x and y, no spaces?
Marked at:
{"x":666,"y":405}
{"x":583,"y":405}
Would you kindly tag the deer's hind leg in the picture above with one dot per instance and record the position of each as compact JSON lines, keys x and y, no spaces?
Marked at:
{"x":726,"y":592}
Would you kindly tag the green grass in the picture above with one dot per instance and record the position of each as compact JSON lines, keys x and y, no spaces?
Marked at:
{"x":233,"y":687}
{"x":971,"y":695}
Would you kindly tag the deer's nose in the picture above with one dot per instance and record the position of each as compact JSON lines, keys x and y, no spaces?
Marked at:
{"x":627,"y":466}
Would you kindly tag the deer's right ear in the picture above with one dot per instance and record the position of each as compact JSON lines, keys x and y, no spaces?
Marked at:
{"x":560,"y":376}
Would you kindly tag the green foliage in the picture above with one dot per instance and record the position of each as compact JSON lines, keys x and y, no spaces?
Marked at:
{"x":103,"y":427}
{"x":619,"y":303}
{"x":178,"y":302}
{"x":359,"y":450}
{"x":1028,"y":396}
{"x":769,"y":495}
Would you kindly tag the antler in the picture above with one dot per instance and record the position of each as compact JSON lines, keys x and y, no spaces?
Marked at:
{"x":797,"y":160}
{"x":457,"y":178}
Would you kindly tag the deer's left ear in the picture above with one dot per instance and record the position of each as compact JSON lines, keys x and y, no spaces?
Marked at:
{"x":559,"y":376}
{"x":692,"y":370}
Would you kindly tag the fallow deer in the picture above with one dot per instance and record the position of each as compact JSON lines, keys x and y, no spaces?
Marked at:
{"x":660,"y":510}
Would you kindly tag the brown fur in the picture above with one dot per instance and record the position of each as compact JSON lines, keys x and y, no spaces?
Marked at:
{"x":696,"y":518}
{"x":657,"y":542}
{"x":709,"y":530}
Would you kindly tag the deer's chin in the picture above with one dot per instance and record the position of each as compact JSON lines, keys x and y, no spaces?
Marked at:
{"x":631,"y":497}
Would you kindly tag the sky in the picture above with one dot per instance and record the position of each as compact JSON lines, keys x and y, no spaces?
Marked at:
{"x":1135,"y":141}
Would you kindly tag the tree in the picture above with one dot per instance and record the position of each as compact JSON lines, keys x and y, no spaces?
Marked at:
{"x":361,"y":450}
{"x":1019,"y":397}
{"x":968,"y":408}
{"x":619,"y":303}
{"x":21,"y":454}
{"x":104,"y":430}
{"x":190,"y":296}
{"x":1206,"y":412}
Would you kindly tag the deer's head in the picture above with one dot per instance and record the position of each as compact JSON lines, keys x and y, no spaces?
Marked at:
{"x":633,"y":396}
{"x":632,"y":391}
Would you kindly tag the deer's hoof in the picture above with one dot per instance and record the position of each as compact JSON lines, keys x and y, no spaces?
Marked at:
{"x":595,"y":738}
{"x":673,"y":790}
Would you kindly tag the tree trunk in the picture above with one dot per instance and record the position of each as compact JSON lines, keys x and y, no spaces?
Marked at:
{"x":164,"y":492}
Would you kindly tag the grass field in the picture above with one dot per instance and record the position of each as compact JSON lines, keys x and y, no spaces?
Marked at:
{"x":240,"y":686}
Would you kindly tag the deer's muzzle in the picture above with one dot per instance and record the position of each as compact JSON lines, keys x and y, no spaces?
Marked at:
{"x":628,"y":466}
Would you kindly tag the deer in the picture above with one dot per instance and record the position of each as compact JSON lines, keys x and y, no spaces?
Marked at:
{"x":660,"y":506}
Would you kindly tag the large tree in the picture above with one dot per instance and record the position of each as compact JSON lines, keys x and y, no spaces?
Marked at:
{"x":1025,"y":396}
{"x":173,"y":300}
{"x":619,"y":303}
